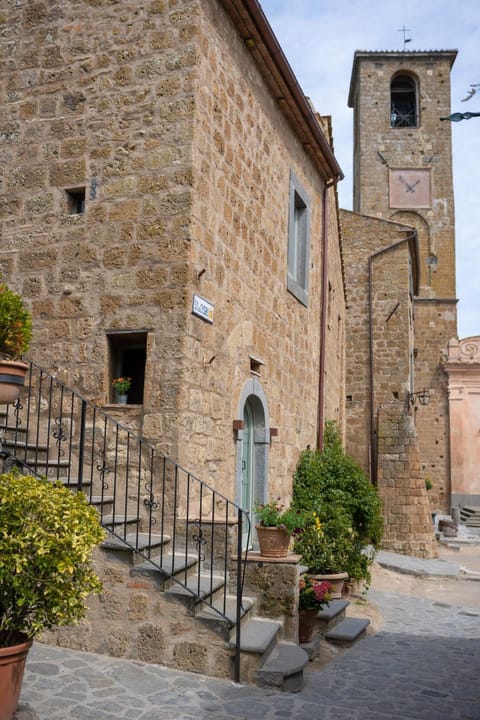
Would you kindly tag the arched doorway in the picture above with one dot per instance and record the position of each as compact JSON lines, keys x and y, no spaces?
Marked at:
{"x":253,"y":443}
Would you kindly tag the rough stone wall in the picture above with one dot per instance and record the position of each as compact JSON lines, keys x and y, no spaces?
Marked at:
{"x":379,"y":148}
{"x":388,"y":331}
{"x":401,"y":483}
{"x":160,"y":112}
{"x":435,"y":324}
{"x":335,"y":355}
{"x":100,"y":96}
{"x":274,"y":585}
{"x":133,"y":618}
{"x":244,"y":151}
{"x":428,"y":146}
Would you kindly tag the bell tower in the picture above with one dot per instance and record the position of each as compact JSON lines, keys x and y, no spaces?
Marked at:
{"x":403,"y":173}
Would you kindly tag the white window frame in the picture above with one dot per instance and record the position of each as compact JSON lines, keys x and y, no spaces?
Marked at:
{"x":298,"y":240}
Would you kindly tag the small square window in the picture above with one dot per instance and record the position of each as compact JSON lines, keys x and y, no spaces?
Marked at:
{"x":75,"y":201}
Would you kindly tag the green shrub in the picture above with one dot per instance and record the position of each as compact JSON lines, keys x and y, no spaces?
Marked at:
{"x":15,"y":324}
{"x":347,"y":508}
{"x":325,"y":544}
{"x":47,"y":535}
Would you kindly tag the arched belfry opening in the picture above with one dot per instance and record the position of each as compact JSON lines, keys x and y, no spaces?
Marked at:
{"x":403,"y":102}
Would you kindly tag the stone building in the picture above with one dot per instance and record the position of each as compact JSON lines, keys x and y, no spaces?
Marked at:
{"x":399,"y":248}
{"x":167,"y":203}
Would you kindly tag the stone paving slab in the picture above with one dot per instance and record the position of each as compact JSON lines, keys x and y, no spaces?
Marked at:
{"x":422,"y":567}
{"x":424,"y":664}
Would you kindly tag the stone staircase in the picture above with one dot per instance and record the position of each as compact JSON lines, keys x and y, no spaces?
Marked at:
{"x":269,"y":655}
{"x":470,"y":516}
{"x":333,"y":626}
{"x":267,"y":659}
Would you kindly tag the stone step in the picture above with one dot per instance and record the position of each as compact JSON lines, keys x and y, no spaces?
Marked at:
{"x":331,"y":614}
{"x":167,"y":564}
{"x":12,"y":429}
{"x":100,"y":500}
{"x":133,"y":542}
{"x":197,"y":586}
{"x":258,"y":636}
{"x":27,"y":447}
{"x":72,"y":483}
{"x":226,"y":609}
{"x":50,"y":465}
{"x":347,"y":631}
{"x":114,"y":521}
{"x":471,"y":510}
{"x":284,"y":668}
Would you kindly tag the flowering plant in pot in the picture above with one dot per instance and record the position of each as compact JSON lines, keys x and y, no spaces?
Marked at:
{"x":15,"y":335}
{"x":312,"y":596}
{"x":122,"y":385}
{"x":275,"y":524}
{"x":326,"y":545}
{"x":47,"y":536}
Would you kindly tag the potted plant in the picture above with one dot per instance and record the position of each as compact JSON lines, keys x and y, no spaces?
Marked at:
{"x":326,"y":546}
{"x":331,"y":484}
{"x":275,"y":524}
{"x":312,"y":596}
{"x":121,"y":386}
{"x":47,"y":535}
{"x":15,"y":335}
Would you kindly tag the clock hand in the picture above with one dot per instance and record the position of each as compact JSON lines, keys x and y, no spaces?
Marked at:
{"x":410,"y":188}
{"x":400,"y":177}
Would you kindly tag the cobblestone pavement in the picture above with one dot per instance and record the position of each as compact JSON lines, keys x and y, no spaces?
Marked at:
{"x":423,"y":664}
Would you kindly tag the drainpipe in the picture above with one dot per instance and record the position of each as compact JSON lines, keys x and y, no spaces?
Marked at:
{"x":373,"y":430}
{"x":323,"y":318}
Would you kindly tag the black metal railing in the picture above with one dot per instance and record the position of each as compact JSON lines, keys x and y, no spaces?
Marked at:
{"x":148,"y":503}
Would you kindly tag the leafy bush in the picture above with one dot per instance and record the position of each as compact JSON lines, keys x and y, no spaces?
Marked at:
{"x":47,"y":535}
{"x":325,"y":545}
{"x":15,"y":324}
{"x":347,"y":509}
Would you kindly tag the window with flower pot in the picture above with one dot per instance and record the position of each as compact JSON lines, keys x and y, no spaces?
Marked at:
{"x":127,"y":357}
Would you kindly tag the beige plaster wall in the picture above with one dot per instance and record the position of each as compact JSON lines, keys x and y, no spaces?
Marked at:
{"x":463,"y":369}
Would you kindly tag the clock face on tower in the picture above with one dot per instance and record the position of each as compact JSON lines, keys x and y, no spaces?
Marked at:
{"x":410,"y":188}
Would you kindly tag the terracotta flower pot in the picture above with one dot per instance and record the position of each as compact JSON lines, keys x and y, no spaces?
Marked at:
{"x":12,"y":379}
{"x":273,"y":541}
{"x":336,"y":580}
{"x":12,"y":666}
{"x":306,"y":624}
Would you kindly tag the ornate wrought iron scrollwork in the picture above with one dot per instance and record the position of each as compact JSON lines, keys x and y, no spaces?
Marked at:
{"x":199,"y":539}
{"x":59,"y":436}
{"x":103,"y":469}
{"x":17,"y":407}
{"x":150,"y":502}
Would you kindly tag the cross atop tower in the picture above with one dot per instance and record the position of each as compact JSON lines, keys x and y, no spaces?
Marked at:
{"x":406,"y":40}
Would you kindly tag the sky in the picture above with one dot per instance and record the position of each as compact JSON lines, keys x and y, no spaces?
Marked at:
{"x":319,"y":38}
